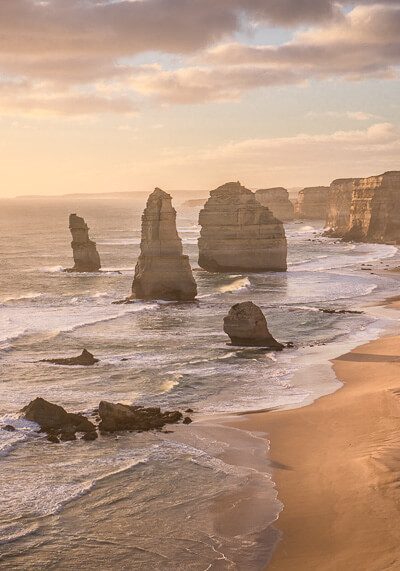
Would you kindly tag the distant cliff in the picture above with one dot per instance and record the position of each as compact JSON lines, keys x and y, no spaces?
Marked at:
{"x":375,"y":209}
{"x":277,"y":200}
{"x":339,"y":205}
{"x":312,"y":203}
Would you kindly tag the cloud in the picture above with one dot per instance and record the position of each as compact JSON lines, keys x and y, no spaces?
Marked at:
{"x":302,"y":159}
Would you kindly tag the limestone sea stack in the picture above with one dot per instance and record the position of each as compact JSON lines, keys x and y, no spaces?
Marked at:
{"x":162,"y":271}
{"x":339,"y":206}
{"x":239,"y":234}
{"x":246,"y":326}
{"x":277,"y":200}
{"x":85,"y":253}
{"x":375,"y":209}
{"x":312,"y":203}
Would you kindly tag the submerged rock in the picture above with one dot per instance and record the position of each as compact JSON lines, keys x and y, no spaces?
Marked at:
{"x":52,"y":417}
{"x":85,"y":253}
{"x":115,"y":417}
{"x":85,"y":359}
{"x":277,"y":200}
{"x":246,"y":326}
{"x":239,"y":234}
{"x":162,"y":271}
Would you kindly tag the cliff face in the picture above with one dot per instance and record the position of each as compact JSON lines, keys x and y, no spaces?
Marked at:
{"x":312,"y":203}
{"x":239,"y":234}
{"x":339,"y":206}
{"x":86,"y":257}
{"x":277,"y":200}
{"x":162,"y":271}
{"x":375,"y":209}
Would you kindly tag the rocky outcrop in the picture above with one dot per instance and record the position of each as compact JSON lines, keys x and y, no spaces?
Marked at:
{"x":246,"y":326}
{"x":239,"y":234}
{"x":312,"y":203}
{"x":277,"y":200}
{"x":375,"y":209}
{"x":339,"y":205}
{"x":85,"y":359}
{"x":162,"y":271}
{"x":86,"y":257}
{"x":115,"y":417}
{"x":56,"y":421}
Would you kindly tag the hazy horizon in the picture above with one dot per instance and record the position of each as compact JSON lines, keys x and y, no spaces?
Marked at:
{"x":289,"y":94}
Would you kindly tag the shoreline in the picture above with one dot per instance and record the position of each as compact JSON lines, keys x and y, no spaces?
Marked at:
{"x":335,"y":467}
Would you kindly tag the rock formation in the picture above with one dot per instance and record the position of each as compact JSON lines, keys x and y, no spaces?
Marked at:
{"x":85,"y":359}
{"x":339,"y":206}
{"x":86,"y":257}
{"x":312,"y":203}
{"x":375,"y":209}
{"x":123,"y":417}
{"x":277,"y":200}
{"x":239,"y":234}
{"x":246,"y":326}
{"x":162,"y":271}
{"x":56,"y":421}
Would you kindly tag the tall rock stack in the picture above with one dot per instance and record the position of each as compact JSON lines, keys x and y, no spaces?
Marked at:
{"x":162,"y":271}
{"x":312,"y":203}
{"x":86,"y":257}
{"x":239,"y":234}
{"x":339,"y":206}
{"x":277,"y":200}
{"x":375,"y":209}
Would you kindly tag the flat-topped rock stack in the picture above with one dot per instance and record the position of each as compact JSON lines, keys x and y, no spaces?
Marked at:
{"x":239,"y":234}
{"x":85,"y":253}
{"x":277,"y":200}
{"x":375,"y":209}
{"x":312,"y":203}
{"x":162,"y":271}
{"x":339,"y":205}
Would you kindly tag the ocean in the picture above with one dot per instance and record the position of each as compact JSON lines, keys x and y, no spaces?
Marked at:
{"x":156,"y":501}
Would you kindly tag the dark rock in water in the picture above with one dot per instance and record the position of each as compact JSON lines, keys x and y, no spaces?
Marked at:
{"x":187,"y":420}
{"x":8,"y":428}
{"x":86,"y":257}
{"x":116,"y":417}
{"x":290,"y":345}
{"x":53,"y":438}
{"x":340,"y":311}
{"x":85,"y":359}
{"x":189,"y":410}
{"x":68,"y":434}
{"x":90,"y":436}
{"x":247,"y":327}
{"x":50,"y":416}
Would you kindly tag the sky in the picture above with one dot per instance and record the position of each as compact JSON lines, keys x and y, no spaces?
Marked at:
{"x":125,"y":95}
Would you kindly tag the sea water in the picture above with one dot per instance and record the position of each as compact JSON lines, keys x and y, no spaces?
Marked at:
{"x":155,"y":500}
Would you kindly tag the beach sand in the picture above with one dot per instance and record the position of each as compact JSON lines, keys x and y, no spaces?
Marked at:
{"x":337,"y":468}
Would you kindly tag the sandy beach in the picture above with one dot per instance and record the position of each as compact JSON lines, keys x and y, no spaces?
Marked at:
{"x":337,"y":468}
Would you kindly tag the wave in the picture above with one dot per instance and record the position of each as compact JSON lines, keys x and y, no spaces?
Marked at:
{"x":235,"y":286}
{"x":22,"y":297}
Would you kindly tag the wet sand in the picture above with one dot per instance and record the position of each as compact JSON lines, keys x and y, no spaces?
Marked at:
{"x":337,"y":468}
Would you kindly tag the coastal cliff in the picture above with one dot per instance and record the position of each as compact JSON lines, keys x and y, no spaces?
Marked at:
{"x":162,"y":271}
{"x":277,"y":200}
{"x":375,"y":209}
{"x":312,"y":203}
{"x":339,"y":206}
{"x":239,"y":234}
{"x":85,"y":254}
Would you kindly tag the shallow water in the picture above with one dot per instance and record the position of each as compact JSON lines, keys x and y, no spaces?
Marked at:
{"x":143,"y":501}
